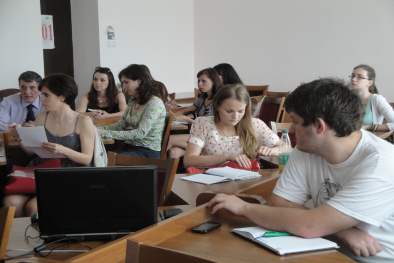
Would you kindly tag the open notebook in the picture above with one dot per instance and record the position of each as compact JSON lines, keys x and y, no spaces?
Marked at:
{"x":221,"y":174}
{"x":283,"y":243}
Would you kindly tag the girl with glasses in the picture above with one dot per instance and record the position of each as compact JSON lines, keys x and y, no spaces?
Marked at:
{"x":376,"y":107}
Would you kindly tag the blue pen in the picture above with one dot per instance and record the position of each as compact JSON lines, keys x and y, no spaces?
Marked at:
{"x":275,"y":234}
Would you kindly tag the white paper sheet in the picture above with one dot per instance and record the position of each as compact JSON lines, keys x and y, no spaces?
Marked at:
{"x":205,"y":178}
{"x":32,"y":139}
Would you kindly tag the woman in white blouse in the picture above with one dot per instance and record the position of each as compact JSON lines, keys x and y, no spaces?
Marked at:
{"x":231,"y":134}
{"x":376,"y":107}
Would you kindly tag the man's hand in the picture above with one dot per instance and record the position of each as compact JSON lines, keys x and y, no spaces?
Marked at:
{"x":228,"y":202}
{"x":360,"y":242}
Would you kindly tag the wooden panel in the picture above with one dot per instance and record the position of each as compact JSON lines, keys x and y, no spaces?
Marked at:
{"x":6,"y":219}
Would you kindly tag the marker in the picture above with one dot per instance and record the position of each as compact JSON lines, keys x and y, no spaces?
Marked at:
{"x":276,"y":234}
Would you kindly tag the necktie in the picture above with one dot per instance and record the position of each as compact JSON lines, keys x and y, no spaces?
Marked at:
{"x":30,"y":114}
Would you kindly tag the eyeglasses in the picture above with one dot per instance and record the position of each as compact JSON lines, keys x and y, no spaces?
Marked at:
{"x":357,"y":77}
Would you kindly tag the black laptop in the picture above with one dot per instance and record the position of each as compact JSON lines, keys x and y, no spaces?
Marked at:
{"x":95,"y":203}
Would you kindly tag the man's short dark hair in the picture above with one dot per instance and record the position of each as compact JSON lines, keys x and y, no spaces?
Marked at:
{"x":29,"y":76}
{"x":330,"y":100}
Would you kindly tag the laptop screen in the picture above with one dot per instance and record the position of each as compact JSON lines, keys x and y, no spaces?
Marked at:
{"x":84,"y":201}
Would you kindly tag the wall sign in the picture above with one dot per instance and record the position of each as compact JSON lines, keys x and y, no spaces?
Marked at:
{"x":48,"y":38}
{"x":110,"y":36}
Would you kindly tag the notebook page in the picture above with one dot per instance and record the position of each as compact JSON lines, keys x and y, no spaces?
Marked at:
{"x":205,"y":178}
{"x":232,"y":173}
{"x":293,"y":244}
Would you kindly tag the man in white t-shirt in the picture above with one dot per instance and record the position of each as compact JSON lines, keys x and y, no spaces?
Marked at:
{"x":343,"y":172}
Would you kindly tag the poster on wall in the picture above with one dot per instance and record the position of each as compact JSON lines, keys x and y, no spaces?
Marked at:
{"x":48,"y":38}
{"x":110,"y":36}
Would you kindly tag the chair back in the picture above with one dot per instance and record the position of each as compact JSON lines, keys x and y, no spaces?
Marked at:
{"x":7,"y":92}
{"x":272,"y":107}
{"x":166,"y":135}
{"x":166,"y":170}
{"x":6,"y":219}
{"x":256,"y":90}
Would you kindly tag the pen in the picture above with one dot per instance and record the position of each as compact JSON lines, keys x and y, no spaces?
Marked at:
{"x":275,"y":234}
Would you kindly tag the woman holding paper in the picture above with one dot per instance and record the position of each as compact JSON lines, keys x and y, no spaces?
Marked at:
{"x":69,"y":133}
{"x":231,"y":134}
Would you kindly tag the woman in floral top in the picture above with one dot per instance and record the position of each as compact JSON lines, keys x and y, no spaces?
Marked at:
{"x":231,"y":134}
{"x":141,"y":127}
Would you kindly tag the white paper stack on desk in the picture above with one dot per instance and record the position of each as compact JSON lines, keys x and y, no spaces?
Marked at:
{"x":221,"y":174}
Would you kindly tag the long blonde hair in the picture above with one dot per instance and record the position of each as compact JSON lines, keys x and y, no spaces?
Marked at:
{"x":244,"y":128}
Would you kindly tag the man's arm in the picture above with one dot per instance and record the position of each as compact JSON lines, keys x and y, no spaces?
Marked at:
{"x":275,"y":200}
{"x":4,"y":115}
{"x":316,"y":222}
{"x":357,"y":240}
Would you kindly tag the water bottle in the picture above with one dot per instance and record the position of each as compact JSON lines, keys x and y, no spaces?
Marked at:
{"x":284,"y":156}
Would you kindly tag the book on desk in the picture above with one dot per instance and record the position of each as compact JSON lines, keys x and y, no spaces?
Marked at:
{"x":283,"y":243}
{"x":221,"y":174}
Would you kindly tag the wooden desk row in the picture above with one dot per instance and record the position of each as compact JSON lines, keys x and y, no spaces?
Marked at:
{"x":172,"y":239}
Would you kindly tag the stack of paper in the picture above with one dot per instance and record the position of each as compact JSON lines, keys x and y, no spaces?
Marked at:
{"x":221,"y":174}
{"x":283,"y":243}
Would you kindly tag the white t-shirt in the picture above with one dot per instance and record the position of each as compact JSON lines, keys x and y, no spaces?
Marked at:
{"x":361,"y":187}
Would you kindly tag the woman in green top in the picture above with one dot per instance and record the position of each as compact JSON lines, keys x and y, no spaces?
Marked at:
{"x":142,"y":124}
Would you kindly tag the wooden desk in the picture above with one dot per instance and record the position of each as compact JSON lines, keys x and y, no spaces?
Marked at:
{"x":220,"y":245}
{"x":189,"y":191}
{"x":107,"y":121}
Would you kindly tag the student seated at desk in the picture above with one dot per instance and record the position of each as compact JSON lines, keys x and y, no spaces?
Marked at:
{"x":376,"y":107}
{"x":142,"y":125}
{"x":345,"y":172}
{"x":24,"y":106}
{"x":231,"y":134}
{"x":69,"y":133}
{"x":227,"y":74}
{"x":103,"y":98}
{"x":208,"y":84}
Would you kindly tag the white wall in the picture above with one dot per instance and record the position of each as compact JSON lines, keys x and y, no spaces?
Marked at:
{"x":285,"y":42}
{"x":20,"y":41}
{"x":159,"y":34}
{"x":85,"y":34}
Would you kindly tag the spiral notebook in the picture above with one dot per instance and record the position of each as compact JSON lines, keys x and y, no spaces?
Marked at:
{"x":284,"y":244}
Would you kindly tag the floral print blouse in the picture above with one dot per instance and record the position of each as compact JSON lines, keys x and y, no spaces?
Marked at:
{"x":205,"y":134}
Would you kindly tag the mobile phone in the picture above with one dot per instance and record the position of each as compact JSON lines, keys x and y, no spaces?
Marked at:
{"x":206,"y":227}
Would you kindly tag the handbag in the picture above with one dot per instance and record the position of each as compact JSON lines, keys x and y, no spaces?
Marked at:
{"x":21,"y":180}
